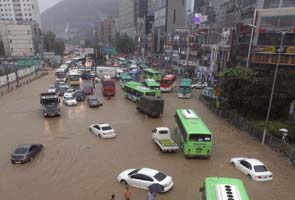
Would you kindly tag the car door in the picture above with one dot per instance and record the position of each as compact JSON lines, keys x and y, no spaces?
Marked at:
{"x":32,"y":151}
{"x":96,"y":130}
{"x":137,"y":180}
{"x":244,"y":166}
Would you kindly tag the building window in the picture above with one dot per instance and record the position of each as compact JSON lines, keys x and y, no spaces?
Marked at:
{"x":10,"y":41}
{"x":31,"y":49}
{"x":182,"y":2}
{"x":11,"y":49}
{"x":28,"y":32}
{"x":174,"y":16}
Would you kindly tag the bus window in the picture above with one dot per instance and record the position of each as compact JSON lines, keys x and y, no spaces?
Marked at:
{"x":199,"y":138}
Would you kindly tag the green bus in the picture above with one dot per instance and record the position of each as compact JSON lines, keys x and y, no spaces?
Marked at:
{"x":185,"y":90}
{"x":143,"y":66}
{"x":124,"y":78}
{"x":135,"y":90}
{"x":195,"y":137}
{"x":219,"y":188}
{"x":153,"y":85}
{"x":150,"y":73}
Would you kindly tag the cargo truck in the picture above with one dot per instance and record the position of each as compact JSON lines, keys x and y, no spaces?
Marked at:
{"x":162,"y":137}
{"x":150,"y":106}
{"x":50,"y":104}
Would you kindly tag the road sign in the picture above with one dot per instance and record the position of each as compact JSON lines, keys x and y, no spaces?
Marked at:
{"x":217,"y":92}
{"x":28,"y":62}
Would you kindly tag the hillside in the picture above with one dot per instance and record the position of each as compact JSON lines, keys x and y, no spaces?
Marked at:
{"x":75,"y":12}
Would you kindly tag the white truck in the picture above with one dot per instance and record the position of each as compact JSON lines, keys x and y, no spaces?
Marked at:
{"x":162,"y":137}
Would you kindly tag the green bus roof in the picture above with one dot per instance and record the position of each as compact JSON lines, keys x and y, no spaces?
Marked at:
{"x":151,"y":83}
{"x":185,"y":82}
{"x":212,"y":182}
{"x":125,"y":75}
{"x":143,"y":65}
{"x":150,"y":70}
{"x":192,"y":125}
{"x":138,"y":86}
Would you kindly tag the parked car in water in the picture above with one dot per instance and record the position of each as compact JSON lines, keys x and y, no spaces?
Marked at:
{"x":93,"y":102}
{"x":52,"y":89}
{"x":199,"y":85}
{"x":69,"y":93}
{"x":62,"y":89}
{"x":102,"y":130}
{"x":70,"y":101}
{"x":80,"y":95}
{"x":253,"y":168}
{"x":88,"y":89}
{"x":144,"y":177}
{"x":25,"y":153}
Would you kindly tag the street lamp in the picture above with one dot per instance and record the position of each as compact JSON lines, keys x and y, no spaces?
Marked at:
{"x":273,"y":85}
{"x":253,"y":27}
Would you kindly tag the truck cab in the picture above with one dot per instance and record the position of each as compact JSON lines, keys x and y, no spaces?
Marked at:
{"x":161,"y":133}
{"x":50,"y":104}
{"x":162,"y":137}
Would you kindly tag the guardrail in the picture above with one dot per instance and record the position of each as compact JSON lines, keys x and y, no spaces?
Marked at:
{"x":286,"y":149}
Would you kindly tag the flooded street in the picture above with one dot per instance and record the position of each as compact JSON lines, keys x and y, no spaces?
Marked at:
{"x":77,"y":165}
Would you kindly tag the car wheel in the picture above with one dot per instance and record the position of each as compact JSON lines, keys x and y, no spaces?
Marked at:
{"x":12,"y":162}
{"x":249,"y":176}
{"x":232,"y":164}
{"x":124,"y":182}
{"x":90,"y":130}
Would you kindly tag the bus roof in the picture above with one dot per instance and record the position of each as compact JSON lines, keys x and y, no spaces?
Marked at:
{"x":151,"y":82}
{"x":138,"y":86}
{"x":151,"y":71}
{"x":214,"y":186}
{"x":192,"y":123}
{"x":125,"y":75}
{"x":185,"y":82}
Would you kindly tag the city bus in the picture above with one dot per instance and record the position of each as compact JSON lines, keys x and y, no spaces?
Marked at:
{"x":219,"y":188}
{"x":135,"y":90}
{"x":153,"y":85}
{"x":108,"y":86}
{"x":74,"y":78}
{"x":61,"y":74}
{"x":167,"y":83}
{"x":185,"y":90}
{"x":150,"y":73}
{"x":195,"y":137}
{"x":124,"y":78}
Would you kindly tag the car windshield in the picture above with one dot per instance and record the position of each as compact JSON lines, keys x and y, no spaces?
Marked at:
{"x":260,"y":168}
{"x":160,"y":176}
{"x":133,"y":172}
{"x":106,"y":128}
{"x":21,"y":150}
{"x":69,"y":98}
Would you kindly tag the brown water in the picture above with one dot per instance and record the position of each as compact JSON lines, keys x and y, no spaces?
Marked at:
{"x":77,"y":165}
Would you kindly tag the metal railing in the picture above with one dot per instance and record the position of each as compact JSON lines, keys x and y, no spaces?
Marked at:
{"x":286,"y":149}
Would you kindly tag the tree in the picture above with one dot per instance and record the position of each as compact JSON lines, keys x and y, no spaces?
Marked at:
{"x":49,"y":41}
{"x":249,"y":92}
{"x":124,"y":44}
{"x":59,"y":47}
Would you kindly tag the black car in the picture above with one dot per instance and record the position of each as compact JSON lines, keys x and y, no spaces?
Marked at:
{"x":80,"y":95}
{"x":86,"y":75}
{"x":93,"y":102}
{"x":25,"y":153}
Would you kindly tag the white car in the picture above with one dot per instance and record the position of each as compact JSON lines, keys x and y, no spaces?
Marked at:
{"x":52,"y":89}
{"x":102,"y":130}
{"x":199,"y":85}
{"x":144,"y":177}
{"x":69,"y":93}
{"x":70,"y":101}
{"x":253,"y":168}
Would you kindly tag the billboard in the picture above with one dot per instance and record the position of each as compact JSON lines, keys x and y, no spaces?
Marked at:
{"x":199,"y":18}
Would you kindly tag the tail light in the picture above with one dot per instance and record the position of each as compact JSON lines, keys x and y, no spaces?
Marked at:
{"x":270,"y":176}
{"x":258,"y":177}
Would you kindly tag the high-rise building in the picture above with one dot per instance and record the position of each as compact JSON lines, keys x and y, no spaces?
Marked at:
{"x":20,"y":11}
{"x":17,"y":39}
{"x":127,"y":14}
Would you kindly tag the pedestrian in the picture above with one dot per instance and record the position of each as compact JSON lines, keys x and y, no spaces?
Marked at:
{"x":113,"y":197}
{"x":151,"y":195}
{"x":127,"y":194}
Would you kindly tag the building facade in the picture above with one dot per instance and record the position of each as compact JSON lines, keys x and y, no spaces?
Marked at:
{"x":127,"y":14}
{"x":20,"y":11}
{"x":17,"y":39}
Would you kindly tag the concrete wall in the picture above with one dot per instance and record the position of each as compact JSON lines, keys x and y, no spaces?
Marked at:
{"x":175,"y":14}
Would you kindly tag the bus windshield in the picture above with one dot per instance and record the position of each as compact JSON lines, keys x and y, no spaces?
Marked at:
{"x":150,"y":94}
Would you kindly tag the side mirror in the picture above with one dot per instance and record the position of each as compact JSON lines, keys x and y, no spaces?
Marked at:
{"x":154,"y":130}
{"x":201,"y":189}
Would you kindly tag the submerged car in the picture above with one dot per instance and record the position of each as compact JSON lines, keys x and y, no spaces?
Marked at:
{"x":145,"y":177}
{"x":69,"y":93}
{"x":102,"y":130}
{"x":253,"y":168}
{"x":70,"y":101}
{"x":80,"y":95}
{"x":25,"y":153}
{"x":93,"y":102}
{"x":199,"y":85}
{"x":88,"y":89}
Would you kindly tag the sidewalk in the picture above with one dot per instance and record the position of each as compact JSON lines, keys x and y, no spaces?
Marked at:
{"x":23,"y":81}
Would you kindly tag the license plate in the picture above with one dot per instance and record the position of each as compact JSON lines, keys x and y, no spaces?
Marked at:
{"x":17,"y":162}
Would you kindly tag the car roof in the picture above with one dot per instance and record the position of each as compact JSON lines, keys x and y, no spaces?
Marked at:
{"x":148,"y":171}
{"x":24,"y":145}
{"x":104,"y":124}
{"x":254,"y":161}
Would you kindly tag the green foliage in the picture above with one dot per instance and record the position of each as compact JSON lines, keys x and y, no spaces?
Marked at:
{"x":249,"y":92}
{"x":59,"y":47}
{"x":49,"y":41}
{"x":125,"y":44}
{"x":274,"y":127}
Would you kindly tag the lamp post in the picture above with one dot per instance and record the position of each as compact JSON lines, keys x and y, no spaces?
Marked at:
{"x":253,"y":27}
{"x":273,"y":86}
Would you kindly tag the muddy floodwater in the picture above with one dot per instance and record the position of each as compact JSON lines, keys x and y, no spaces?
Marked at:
{"x":76,"y":165}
